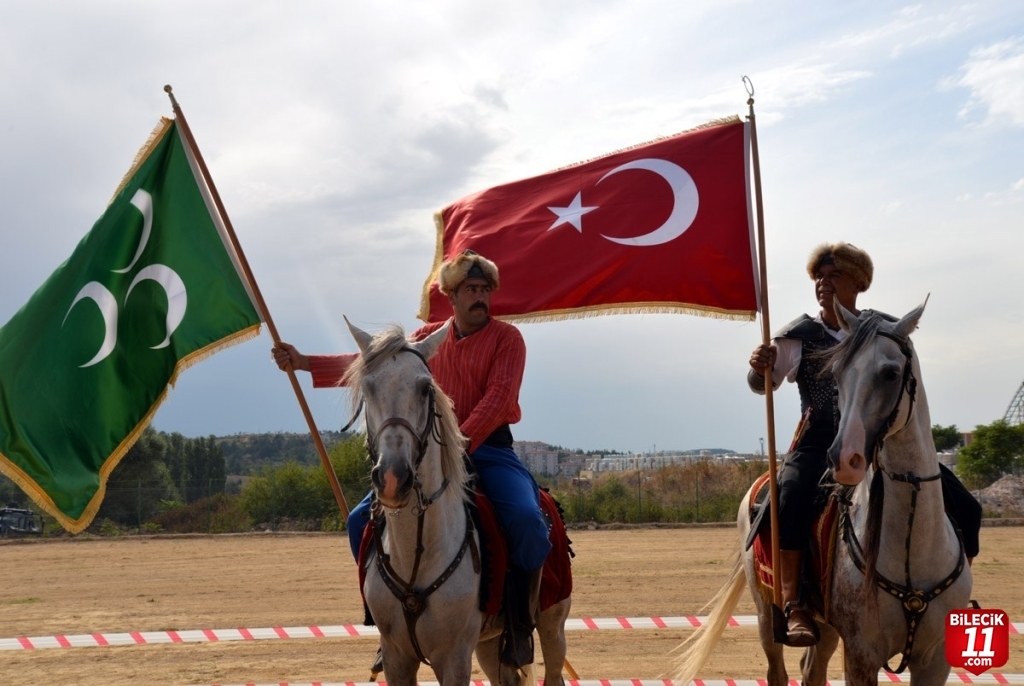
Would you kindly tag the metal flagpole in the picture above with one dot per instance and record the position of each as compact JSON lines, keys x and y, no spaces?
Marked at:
{"x":769,"y":401}
{"x":332,"y":477}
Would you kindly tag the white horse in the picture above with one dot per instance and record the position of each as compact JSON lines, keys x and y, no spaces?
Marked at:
{"x":423,"y":577}
{"x":894,"y":533}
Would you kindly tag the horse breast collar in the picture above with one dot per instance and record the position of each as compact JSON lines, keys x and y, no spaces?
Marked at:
{"x":414,"y":602}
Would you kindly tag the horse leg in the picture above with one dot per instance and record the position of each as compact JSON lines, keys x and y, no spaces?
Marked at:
{"x":814,"y":661}
{"x":487,"y":655}
{"x":400,"y":668}
{"x":453,"y":668}
{"x":777,"y":674}
{"x":551,"y":629}
{"x":859,"y":670}
{"x":929,"y":668}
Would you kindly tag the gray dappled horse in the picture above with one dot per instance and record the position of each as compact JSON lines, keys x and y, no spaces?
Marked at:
{"x":424,"y":591}
{"x":894,"y":535}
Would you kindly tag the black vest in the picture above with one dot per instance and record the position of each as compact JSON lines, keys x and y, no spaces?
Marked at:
{"x":818,"y":392}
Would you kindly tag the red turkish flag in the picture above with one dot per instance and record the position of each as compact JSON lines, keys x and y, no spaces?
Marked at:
{"x":662,"y":227}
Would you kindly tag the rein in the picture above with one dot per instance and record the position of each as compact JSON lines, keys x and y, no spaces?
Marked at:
{"x":414,"y":602}
{"x":914,"y":601}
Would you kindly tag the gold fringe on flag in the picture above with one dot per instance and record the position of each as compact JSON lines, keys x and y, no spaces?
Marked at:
{"x":143,"y":154}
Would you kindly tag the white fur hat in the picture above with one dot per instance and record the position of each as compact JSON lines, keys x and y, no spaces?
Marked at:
{"x":463,"y":266}
{"x":847,"y":258}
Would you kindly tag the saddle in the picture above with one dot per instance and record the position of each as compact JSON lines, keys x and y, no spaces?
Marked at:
{"x":819,"y":552}
{"x":556,"y":578}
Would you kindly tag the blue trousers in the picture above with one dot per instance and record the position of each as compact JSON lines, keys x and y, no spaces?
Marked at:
{"x":510,"y":487}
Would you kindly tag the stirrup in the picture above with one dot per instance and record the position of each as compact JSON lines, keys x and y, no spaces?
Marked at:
{"x":378,"y":664}
{"x":516,"y":647}
{"x":802,"y":636}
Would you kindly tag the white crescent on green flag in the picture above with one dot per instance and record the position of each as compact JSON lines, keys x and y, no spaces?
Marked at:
{"x":153,"y":288}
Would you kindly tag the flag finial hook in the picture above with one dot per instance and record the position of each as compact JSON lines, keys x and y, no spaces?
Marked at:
{"x":747,"y":83}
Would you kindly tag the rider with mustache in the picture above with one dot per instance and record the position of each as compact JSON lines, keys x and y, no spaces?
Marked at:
{"x":840,"y":271}
{"x":480,"y":367}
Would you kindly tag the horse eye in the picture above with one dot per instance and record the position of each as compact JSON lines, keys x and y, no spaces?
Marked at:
{"x":890,"y":374}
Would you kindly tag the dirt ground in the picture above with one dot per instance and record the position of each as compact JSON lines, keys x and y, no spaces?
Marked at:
{"x":270,"y":580}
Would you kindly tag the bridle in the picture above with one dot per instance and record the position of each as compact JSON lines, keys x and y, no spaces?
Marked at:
{"x":413,"y":601}
{"x":914,"y":601}
{"x":908,"y":387}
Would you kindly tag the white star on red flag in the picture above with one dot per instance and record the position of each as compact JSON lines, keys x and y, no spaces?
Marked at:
{"x":573,"y":214}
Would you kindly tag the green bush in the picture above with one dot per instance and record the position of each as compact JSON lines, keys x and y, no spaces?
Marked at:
{"x":221,"y":513}
{"x":704,"y":491}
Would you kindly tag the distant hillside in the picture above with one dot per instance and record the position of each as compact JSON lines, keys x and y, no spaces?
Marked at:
{"x":246,"y":454}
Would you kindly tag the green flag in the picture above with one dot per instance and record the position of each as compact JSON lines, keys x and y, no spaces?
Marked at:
{"x":153,"y":288}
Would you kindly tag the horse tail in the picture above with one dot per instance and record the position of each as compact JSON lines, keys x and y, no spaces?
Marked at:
{"x":698,"y":647}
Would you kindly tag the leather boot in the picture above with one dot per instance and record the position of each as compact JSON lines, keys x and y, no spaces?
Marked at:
{"x":801,"y":630}
{"x":522,"y":600}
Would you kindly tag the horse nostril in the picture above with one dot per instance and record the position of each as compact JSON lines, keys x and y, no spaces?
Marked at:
{"x":857,"y":461}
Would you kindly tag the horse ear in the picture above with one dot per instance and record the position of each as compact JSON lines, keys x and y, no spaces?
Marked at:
{"x":908,"y":324}
{"x":362,"y":338}
{"x":848,"y":321}
{"x":429,"y":345}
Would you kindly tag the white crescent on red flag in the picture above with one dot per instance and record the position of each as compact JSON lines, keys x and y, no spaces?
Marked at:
{"x":660,"y":227}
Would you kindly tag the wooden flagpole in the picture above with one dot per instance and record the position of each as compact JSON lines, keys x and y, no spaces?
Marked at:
{"x":332,"y":477}
{"x":769,"y":401}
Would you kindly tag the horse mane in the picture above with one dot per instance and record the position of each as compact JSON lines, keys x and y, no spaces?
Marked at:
{"x":392,"y":341}
{"x":836,"y":359}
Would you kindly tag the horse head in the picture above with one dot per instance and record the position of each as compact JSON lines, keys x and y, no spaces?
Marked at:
{"x":394,"y":382}
{"x":874,"y":371}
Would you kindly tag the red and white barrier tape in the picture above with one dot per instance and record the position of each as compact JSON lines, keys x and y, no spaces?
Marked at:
{"x":341,"y":631}
{"x":954,"y":678}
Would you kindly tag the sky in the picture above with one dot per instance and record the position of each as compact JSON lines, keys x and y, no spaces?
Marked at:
{"x":334,"y":131}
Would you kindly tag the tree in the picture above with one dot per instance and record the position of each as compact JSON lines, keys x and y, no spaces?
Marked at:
{"x":352,"y":465}
{"x":994,"y":450}
{"x":141,"y":483}
{"x":946,"y":437}
{"x":205,"y":468}
{"x":287,"y":491}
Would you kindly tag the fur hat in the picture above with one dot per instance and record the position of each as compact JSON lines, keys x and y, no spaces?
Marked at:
{"x":849,"y":259}
{"x":463,"y":266}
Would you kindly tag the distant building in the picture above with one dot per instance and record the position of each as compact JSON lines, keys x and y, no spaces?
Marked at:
{"x":659,"y":460}
{"x":537,"y":457}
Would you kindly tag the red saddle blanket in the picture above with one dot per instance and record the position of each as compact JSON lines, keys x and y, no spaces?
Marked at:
{"x":822,"y":546}
{"x":556,"y":579}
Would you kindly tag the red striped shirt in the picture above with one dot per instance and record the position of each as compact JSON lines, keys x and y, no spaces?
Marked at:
{"x":481,"y":373}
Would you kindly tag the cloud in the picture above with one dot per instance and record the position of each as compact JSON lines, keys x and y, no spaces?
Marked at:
{"x":994,"y":74}
{"x":892,"y":207}
{"x":910,"y":27}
